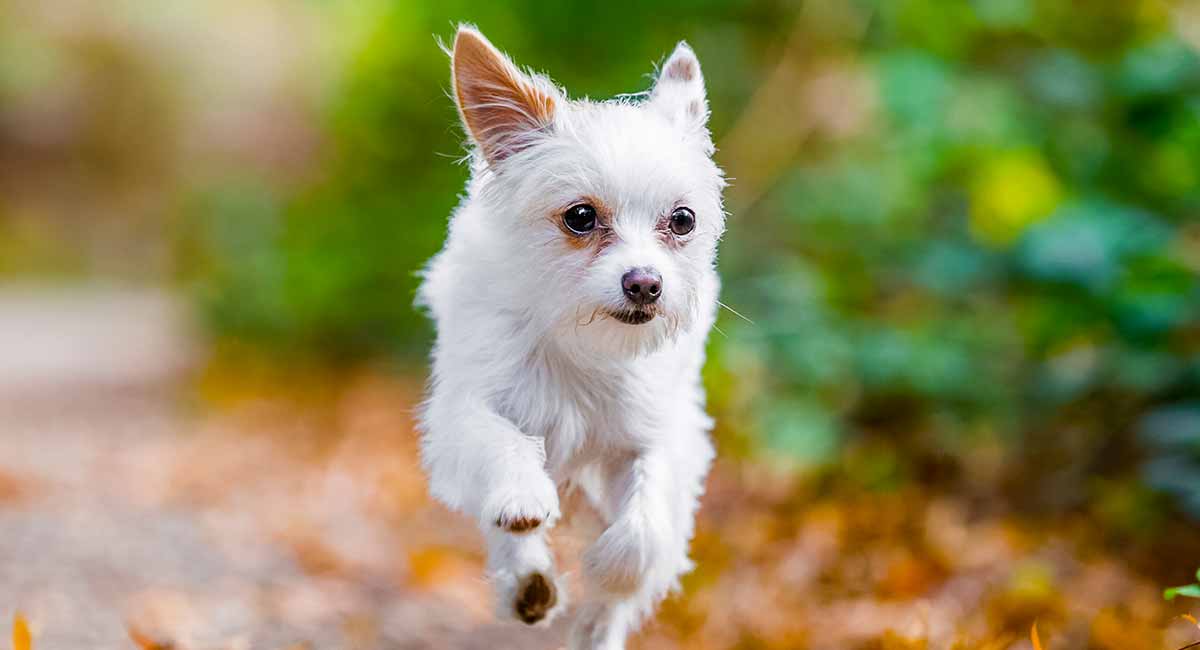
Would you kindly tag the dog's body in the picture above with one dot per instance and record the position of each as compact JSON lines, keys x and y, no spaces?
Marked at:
{"x":572,"y":301}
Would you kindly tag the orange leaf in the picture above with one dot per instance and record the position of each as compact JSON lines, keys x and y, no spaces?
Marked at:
{"x":145,"y":641}
{"x":1033,"y":636}
{"x":21,"y":639}
{"x":1191,"y":619}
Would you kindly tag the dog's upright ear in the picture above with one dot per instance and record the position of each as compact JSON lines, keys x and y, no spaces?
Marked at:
{"x":503,"y":109}
{"x":679,"y":93}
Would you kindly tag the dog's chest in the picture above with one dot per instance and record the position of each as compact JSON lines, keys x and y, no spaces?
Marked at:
{"x":581,"y":412}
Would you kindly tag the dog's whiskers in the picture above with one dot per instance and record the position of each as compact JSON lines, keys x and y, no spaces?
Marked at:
{"x":596,"y":313}
{"x":735,"y":312}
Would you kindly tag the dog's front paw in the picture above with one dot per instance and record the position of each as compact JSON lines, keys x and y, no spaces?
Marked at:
{"x":531,"y":599}
{"x":526,"y":506}
{"x":536,"y":597}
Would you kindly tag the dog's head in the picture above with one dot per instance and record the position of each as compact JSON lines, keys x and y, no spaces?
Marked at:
{"x":608,"y":213}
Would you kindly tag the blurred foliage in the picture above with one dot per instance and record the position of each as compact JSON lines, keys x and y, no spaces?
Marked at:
{"x":965,"y":233}
{"x":1004,"y":255}
{"x":1002,"y":250}
{"x":1191,"y":591}
{"x":332,"y":268}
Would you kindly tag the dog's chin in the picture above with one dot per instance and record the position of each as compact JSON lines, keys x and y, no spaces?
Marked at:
{"x":625,"y":331}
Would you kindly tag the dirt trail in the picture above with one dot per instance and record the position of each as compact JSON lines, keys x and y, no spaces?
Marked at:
{"x":260,"y":508}
{"x":123,"y":505}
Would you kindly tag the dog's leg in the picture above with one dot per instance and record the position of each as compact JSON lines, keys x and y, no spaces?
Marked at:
{"x":650,"y":500}
{"x":603,"y":624}
{"x":480,"y":463}
{"x":521,"y":569}
{"x":641,"y":539}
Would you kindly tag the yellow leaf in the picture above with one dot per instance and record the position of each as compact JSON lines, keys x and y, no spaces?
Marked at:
{"x":1011,"y":192}
{"x":1191,"y":619}
{"x":21,"y":639}
{"x":1033,"y":636}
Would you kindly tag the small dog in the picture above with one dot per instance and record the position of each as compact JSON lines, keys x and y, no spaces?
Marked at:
{"x":572,"y":302}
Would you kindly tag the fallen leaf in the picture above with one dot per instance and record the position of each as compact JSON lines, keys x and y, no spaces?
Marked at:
{"x":11,"y":488}
{"x":21,"y":639}
{"x":1114,"y":629}
{"x":1033,"y":636}
{"x":313,"y":555}
{"x":437,"y":565}
{"x":998,"y":643}
{"x":894,"y":641}
{"x":146,"y":642}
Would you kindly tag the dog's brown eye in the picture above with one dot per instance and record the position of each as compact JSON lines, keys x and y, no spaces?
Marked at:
{"x":580,"y":219}
{"x":683,"y":221}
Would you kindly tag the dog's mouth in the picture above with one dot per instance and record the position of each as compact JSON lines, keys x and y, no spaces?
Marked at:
{"x":632,"y":316}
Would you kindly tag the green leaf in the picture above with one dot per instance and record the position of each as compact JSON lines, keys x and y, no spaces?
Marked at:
{"x":1191,"y":591}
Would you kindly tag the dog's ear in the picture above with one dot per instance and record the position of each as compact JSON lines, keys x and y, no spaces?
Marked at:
{"x":679,"y":91}
{"x":503,"y":109}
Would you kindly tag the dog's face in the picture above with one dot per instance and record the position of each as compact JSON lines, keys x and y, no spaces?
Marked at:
{"x":609,"y":212}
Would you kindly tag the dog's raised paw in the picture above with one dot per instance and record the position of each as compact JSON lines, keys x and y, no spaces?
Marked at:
{"x":536,"y":596}
{"x":518,"y":524}
{"x":525,"y":514}
{"x":530,"y":504}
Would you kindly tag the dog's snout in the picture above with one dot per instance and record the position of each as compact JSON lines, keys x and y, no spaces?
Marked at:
{"x":642,"y":286}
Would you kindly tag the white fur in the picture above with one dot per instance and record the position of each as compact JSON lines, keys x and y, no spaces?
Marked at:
{"x":535,"y":391}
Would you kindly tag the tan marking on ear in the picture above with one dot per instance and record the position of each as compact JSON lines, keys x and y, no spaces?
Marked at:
{"x":497,"y":102}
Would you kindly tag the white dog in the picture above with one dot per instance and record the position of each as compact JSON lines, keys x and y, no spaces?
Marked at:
{"x":572,"y":302}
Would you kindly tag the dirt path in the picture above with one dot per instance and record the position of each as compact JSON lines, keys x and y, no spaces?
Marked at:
{"x":122,"y":505}
{"x":248,"y":507}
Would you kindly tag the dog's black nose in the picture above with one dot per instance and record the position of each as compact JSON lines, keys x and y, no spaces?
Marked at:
{"x":642,"y":286}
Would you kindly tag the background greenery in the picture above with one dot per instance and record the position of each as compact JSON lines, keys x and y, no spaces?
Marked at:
{"x":964,"y":234}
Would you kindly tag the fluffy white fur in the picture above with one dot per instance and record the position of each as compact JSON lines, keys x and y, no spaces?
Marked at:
{"x":536,"y":389}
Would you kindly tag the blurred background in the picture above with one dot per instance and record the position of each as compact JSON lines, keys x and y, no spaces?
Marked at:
{"x":965,"y":396}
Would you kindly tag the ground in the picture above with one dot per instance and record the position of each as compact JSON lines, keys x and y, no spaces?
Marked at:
{"x":152,"y":497}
